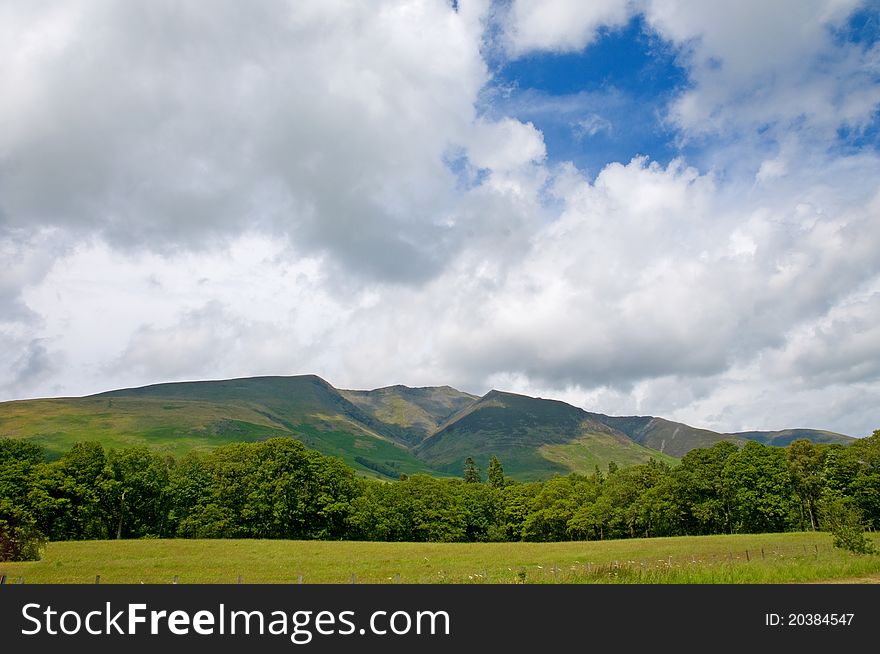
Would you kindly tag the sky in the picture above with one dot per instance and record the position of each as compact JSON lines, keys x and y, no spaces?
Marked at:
{"x":636,"y":206}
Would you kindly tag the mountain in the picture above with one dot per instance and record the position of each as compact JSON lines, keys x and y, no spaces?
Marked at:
{"x":533,"y":438}
{"x":411,"y":414}
{"x":184,"y":416}
{"x":677,"y":439}
{"x":383,"y":432}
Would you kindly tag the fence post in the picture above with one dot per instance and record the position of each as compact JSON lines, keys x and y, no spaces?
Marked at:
{"x":299,"y":579}
{"x":176,"y":579}
{"x":239,"y":579}
{"x":748,"y":558}
{"x":817,"y":550}
{"x":97,"y":579}
{"x":762,"y":553}
{"x":397,"y":578}
{"x":353,"y":578}
{"x":3,"y":580}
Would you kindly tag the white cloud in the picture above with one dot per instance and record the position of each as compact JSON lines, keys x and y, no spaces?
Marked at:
{"x":201,"y":192}
{"x":162,"y":125}
{"x":561,"y":25}
{"x":751,"y":64}
{"x":754,"y":64}
{"x":506,"y":145}
{"x":591,"y":125}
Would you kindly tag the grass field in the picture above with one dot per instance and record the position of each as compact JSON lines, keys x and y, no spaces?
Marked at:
{"x":753,"y":558}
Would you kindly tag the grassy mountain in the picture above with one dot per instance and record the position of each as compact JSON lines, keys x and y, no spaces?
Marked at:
{"x":180,"y":417}
{"x":382,"y":432}
{"x":783,"y":437}
{"x":677,"y":439}
{"x":533,"y":437}
{"x":411,"y":414}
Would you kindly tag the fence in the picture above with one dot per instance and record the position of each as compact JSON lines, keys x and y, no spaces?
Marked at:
{"x":176,"y":579}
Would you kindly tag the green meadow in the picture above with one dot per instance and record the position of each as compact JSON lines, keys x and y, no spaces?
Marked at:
{"x":751,"y":558}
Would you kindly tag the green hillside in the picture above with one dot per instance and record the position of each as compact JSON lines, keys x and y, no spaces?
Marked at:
{"x":677,"y":439}
{"x":383,"y":432}
{"x":186,"y":416}
{"x":411,"y":414}
{"x":534,"y":438}
{"x":784,"y":437}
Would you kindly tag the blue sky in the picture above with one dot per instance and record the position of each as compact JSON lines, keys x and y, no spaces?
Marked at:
{"x":608,"y":101}
{"x":602,"y":104}
{"x":654,"y":207}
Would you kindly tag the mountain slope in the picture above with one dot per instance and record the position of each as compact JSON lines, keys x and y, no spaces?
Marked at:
{"x":411,"y":414}
{"x":784,"y":437}
{"x":532,"y":437}
{"x":677,"y":439}
{"x":179,"y":417}
{"x":283,"y":400}
{"x":383,"y":432}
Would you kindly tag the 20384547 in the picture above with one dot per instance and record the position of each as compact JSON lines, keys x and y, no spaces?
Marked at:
{"x":808,"y":619}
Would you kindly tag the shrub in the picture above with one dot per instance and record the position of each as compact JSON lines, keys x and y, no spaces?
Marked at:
{"x":20,"y":540}
{"x":846,"y":527}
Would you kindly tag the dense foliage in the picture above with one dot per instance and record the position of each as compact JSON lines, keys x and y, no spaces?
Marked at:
{"x":279,"y":489}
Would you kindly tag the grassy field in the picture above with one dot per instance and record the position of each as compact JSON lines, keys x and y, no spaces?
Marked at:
{"x":754,"y":558}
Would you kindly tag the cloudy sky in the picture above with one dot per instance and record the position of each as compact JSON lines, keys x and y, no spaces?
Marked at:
{"x":658,"y":207}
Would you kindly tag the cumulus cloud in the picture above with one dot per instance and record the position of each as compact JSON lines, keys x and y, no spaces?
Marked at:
{"x":35,"y":364}
{"x":751,"y":65}
{"x":756,"y":64}
{"x":201,"y":192}
{"x":648,"y":271}
{"x":205,"y":342}
{"x":163,"y":125}
{"x":561,"y":25}
{"x":838,"y":348}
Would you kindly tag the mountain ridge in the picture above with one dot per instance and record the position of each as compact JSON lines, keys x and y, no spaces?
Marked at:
{"x":383,"y":432}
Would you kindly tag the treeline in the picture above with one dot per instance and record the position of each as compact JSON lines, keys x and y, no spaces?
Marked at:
{"x":280,"y":489}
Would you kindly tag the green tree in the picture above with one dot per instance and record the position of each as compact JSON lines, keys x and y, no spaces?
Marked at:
{"x":760,"y":485}
{"x":139,"y":499}
{"x":471,"y":472}
{"x":865,"y":487}
{"x":480,"y":506}
{"x":189,"y":487}
{"x":69,"y":498}
{"x":515,"y":502}
{"x":495,"y":473}
{"x":805,"y":463}
{"x":554,"y":506}
{"x":20,"y":537}
{"x":845,"y":524}
{"x":273,"y":489}
{"x":706,"y":502}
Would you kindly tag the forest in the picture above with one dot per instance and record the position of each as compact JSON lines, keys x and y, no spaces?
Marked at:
{"x":280,"y":489}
